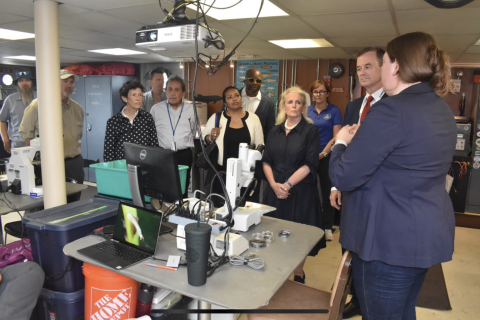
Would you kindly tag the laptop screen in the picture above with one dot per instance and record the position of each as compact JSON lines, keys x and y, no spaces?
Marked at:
{"x":137,"y":227}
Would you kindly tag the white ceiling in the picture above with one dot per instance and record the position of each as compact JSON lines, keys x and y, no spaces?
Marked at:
{"x":348,"y":24}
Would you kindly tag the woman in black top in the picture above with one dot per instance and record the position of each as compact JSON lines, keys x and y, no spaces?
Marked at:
{"x":131,"y":124}
{"x":290,"y":165}
{"x":235,"y":126}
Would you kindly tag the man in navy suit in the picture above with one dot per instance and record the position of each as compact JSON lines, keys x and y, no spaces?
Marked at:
{"x":369,"y":64}
{"x":258,"y":102}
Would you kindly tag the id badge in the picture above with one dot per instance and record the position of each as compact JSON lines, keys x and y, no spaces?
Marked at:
{"x":173,"y":146}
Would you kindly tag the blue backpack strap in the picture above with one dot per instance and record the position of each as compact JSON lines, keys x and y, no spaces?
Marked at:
{"x":217,"y":119}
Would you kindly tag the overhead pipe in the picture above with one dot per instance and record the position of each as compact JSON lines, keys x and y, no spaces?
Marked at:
{"x":291,"y":76}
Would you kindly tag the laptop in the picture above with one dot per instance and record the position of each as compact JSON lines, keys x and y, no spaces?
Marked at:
{"x":134,"y":238}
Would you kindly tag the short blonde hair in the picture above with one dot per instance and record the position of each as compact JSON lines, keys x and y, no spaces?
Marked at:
{"x":282,"y":115}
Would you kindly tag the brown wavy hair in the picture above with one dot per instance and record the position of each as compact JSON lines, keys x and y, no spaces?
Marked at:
{"x":318,"y":83}
{"x":420,"y":59}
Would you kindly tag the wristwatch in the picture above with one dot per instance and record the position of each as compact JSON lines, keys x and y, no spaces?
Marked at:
{"x":289,"y":184}
{"x":324,"y":154}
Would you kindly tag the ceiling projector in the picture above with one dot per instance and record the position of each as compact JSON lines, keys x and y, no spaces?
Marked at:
{"x":178,"y":40}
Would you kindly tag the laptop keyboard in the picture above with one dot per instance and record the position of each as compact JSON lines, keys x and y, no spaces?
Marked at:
{"x":123,"y":251}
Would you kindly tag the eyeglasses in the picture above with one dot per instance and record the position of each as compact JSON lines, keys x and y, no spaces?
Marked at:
{"x":320,"y":92}
{"x":252,"y":80}
{"x":23,"y":73}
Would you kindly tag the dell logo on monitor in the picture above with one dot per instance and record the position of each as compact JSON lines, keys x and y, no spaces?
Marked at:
{"x":143,"y":154}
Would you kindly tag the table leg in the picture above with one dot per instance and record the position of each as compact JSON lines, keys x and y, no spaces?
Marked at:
{"x":204,"y":305}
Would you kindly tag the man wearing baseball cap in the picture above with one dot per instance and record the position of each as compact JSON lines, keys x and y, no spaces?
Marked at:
{"x":13,"y":108}
{"x":72,"y":127}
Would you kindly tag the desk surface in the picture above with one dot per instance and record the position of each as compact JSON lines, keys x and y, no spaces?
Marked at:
{"x":24,"y":202}
{"x":234,"y":287}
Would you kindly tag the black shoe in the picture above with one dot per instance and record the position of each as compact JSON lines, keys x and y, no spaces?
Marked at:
{"x":351,"y":310}
{"x":300,"y":279}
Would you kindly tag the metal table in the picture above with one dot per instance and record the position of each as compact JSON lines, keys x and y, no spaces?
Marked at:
{"x":24,"y":202}
{"x":234,"y":287}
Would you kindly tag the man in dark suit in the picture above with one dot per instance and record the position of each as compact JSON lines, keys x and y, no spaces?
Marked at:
{"x":369,"y":66}
{"x":258,"y":102}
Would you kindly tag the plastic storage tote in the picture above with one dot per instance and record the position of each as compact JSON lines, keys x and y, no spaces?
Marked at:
{"x":112,"y":179}
{"x":50,"y":230}
{"x":54,"y":305}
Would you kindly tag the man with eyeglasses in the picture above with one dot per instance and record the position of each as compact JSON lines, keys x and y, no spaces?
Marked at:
{"x":174,"y":120}
{"x":72,"y":114}
{"x":13,"y":108}
{"x":369,"y":68}
{"x":258,"y":103}
{"x":156,"y":95}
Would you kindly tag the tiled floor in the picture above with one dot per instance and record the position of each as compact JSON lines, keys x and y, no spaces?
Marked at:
{"x":462,"y":274}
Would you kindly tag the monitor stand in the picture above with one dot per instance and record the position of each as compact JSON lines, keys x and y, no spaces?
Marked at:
{"x":135,"y":180}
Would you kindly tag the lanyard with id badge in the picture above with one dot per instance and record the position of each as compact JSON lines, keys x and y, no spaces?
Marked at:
{"x":173,"y":145}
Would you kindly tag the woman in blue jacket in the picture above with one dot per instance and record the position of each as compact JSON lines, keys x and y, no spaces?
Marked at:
{"x":397,"y":217}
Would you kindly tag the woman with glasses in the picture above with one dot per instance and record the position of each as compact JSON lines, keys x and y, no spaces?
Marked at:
{"x":328,"y":120}
{"x":131,"y":124}
{"x":235,"y":126}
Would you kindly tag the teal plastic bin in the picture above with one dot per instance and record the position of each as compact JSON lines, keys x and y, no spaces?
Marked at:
{"x":112,"y":179}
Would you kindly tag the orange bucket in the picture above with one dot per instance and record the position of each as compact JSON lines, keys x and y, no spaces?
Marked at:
{"x":108,"y":295}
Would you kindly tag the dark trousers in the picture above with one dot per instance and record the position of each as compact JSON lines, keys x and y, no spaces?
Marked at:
{"x":385,"y":291}
{"x":328,"y":212}
{"x":185,"y":158}
{"x":74,"y":170}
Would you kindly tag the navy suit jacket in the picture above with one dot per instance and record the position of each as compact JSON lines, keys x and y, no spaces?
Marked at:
{"x":352,"y":111}
{"x":396,"y":209}
{"x":266,"y":114}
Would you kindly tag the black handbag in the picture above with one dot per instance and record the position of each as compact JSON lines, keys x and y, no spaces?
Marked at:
{"x":211,"y":150}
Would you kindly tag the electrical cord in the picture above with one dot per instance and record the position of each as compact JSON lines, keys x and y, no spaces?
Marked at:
{"x":10,"y":205}
{"x":254,"y":263}
{"x":463,"y":168}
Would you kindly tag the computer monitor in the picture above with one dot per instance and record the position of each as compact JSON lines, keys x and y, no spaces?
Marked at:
{"x":153,"y":172}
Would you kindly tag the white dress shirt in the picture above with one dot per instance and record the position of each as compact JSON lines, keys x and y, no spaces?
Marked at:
{"x":250,"y":104}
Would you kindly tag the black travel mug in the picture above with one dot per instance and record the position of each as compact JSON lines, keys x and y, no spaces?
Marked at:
{"x":197,"y":237}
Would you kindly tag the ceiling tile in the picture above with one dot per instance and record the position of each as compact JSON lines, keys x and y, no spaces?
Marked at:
{"x":438,"y":21}
{"x":354,"y":24}
{"x":147,"y":14}
{"x":362,"y":41}
{"x":276,"y":28}
{"x":315,"y":7}
{"x":97,"y":21}
{"x":473,"y":49}
{"x":99,"y":5}
{"x":415,"y":4}
{"x":469,"y":58}
{"x":18,"y":7}
{"x":323,"y":53}
{"x":455,"y":43}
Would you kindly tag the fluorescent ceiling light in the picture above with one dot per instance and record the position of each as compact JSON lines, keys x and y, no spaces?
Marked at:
{"x":15,"y":35}
{"x":117,"y":51}
{"x":302,"y":43}
{"x":22,"y":57}
{"x":246,"y":9}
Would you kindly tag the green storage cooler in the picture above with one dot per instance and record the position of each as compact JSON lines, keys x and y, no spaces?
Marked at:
{"x":112,"y":179}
